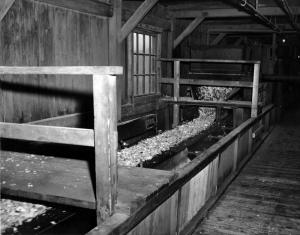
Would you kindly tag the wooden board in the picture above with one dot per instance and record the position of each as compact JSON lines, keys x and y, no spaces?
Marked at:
{"x":264,"y":198}
{"x":69,"y":181}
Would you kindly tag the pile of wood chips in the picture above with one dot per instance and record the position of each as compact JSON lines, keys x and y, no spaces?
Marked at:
{"x":14,"y":213}
{"x":148,"y":148}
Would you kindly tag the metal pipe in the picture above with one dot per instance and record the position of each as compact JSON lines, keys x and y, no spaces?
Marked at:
{"x":252,"y":10}
{"x":285,"y":7}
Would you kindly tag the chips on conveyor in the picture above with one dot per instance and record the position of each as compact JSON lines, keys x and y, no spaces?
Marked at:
{"x":148,"y":148}
{"x":14,"y":213}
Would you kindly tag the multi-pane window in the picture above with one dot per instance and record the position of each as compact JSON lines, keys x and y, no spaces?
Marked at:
{"x":144,"y":66}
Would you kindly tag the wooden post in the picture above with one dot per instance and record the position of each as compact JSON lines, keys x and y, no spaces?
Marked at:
{"x":115,"y":47}
{"x":255,"y":90}
{"x":105,"y":131}
{"x":176,"y":92}
{"x":250,"y":140}
{"x":236,"y":152}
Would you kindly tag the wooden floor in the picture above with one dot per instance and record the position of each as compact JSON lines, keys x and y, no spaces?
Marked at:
{"x":265,"y":197}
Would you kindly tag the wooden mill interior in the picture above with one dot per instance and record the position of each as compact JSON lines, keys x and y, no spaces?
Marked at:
{"x":150,"y":116}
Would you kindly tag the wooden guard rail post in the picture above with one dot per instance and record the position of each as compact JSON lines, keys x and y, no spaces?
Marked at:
{"x":177,"y":81}
{"x":103,"y":138}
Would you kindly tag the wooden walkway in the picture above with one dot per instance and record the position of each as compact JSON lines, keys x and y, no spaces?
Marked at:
{"x":265,"y":197}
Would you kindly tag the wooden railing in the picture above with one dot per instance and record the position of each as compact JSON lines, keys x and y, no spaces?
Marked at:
{"x":177,"y":81}
{"x":197,"y":186}
{"x":103,"y":137}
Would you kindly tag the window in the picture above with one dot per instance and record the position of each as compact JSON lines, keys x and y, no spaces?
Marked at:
{"x":143,"y":53}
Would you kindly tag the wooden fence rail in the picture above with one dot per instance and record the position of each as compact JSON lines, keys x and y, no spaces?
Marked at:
{"x":103,"y":138}
{"x":197,"y":186}
{"x":177,"y":81}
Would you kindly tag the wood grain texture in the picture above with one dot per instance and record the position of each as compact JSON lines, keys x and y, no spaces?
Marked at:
{"x":69,"y":181}
{"x":47,"y":134}
{"x":188,"y":30}
{"x":5,"y":5}
{"x":35,"y":34}
{"x":264,"y":198}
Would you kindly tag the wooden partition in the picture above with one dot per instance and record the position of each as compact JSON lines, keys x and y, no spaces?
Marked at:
{"x":177,"y":81}
{"x":177,"y":208}
{"x":103,"y":137}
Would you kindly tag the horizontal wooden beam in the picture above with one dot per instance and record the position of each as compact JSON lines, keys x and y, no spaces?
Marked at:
{"x":93,"y":7}
{"x":5,"y":5}
{"x":201,"y":82}
{"x":62,"y":70}
{"x":211,"y":61}
{"x":230,"y":12}
{"x":136,"y":18}
{"x":69,"y":120}
{"x":48,"y":134}
{"x":188,"y":30}
{"x":204,"y":103}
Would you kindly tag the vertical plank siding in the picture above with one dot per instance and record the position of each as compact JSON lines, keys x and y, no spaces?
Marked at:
{"x":194,"y":198}
{"x":36,"y":34}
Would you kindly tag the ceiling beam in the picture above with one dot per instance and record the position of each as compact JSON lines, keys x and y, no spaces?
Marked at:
{"x":188,"y":30}
{"x":5,"y":5}
{"x":136,"y":18}
{"x":218,"y":39}
{"x":286,"y":8}
{"x":92,"y":7}
{"x":230,"y":12}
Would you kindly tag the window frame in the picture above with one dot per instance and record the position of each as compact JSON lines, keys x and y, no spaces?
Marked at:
{"x":154,"y":87}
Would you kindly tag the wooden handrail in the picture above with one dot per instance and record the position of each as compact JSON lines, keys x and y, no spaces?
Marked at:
{"x":104,"y":137}
{"x":62,"y":70}
{"x":210,"y":61}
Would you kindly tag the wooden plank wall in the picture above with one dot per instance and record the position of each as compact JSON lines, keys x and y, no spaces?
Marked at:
{"x":191,"y":201}
{"x":35,"y":34}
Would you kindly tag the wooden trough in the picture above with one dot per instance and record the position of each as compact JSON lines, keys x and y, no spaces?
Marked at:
{"x":142,"y":201}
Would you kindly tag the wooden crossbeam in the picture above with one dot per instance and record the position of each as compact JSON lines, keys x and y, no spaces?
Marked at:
{"x":62,"y":70}
{"x":202,"y":82}
{"x":204,"y":103}
{"x":97,"y":8}
{"x":48,"y":134}
{"x":220,"y":13}
{"x":5,"y":5}
{"x":218,"y":39}
{"x":135,"y":19}
{"x":188,"y":30}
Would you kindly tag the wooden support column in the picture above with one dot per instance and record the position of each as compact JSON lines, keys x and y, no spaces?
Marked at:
{"x":137,"y":16}
{"x":254,"y":107}
{"x":105,"y":134}
{"x":188,"y":30}
{"x":218,"y":39}
{"x":115,"y":48}
{"x":176,"y":92}
{"x":5,"y":5}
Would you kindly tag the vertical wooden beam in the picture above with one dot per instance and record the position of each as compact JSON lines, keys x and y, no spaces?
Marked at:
{"x":176,"y":92}
{"x":105,"y":132}
{"x":188,"y":30}
{"x":236,"y":152}
{"x":218,"y":39}
{"x":274,"y":45}
{"x":135,"y":19}
{"x":5,"y":5}
{"x":115,"y":47}
{"x":255,"y":90}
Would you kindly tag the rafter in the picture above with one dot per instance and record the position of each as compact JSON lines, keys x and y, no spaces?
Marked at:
{"x":97,"y":8}
{"x":5,"y":5}
{"x":188,"y":30}
{"x":135,"y":19}
{"x":219,"y":13}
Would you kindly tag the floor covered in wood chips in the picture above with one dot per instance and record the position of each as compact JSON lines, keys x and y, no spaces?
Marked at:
{"x":265,"y":197}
